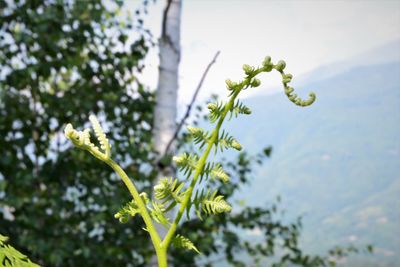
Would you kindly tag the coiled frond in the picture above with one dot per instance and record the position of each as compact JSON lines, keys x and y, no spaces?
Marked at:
{"x":216,"y":110}
{"x":129,"y":210}
{"x":215,"y":204}
{"x":219,"y":173}
{"x":239,"y":108}
{"x":186,"y":163}
{"x":286,"y":79}
{"x":157,"y":212}
{"x":169,"y":190}
{"x":100,"y":135}
{"x":214,"y":170}
{"x":226,"y":141}
{"x":209,"y":203}
{"x":180,"y":241}
{"x":81,"y":139}
{"x":199,"y":135}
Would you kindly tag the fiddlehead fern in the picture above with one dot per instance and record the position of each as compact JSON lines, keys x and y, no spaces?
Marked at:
{"x":286,"y":79}
{"x":81,"y":139}
{"x":170,"y":192}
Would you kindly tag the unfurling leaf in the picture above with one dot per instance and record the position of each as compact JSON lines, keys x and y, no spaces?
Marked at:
{"x":180,"y":241}
{"x":126,"y":212}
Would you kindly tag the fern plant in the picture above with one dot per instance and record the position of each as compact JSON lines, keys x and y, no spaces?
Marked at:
{"x":170,"y":192}
{"x":10,"y":257}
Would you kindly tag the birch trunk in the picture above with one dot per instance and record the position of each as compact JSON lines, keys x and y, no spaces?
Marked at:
{"x":167,"y":92}
{"x":167,"y":89}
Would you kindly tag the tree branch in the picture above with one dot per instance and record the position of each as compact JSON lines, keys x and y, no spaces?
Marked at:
{"x":189,"y":108}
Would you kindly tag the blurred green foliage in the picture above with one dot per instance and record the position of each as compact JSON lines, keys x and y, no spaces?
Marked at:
{"x":61,"y":60}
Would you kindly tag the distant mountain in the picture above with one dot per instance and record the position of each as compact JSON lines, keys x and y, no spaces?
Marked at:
{"x":389,"y":52}
{"x":337,"y":162}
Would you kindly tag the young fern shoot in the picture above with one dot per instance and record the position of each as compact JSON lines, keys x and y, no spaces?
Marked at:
{"x":171,"y":192}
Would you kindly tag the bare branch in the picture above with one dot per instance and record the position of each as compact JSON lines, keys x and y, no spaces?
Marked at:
{"x":189,"y":108}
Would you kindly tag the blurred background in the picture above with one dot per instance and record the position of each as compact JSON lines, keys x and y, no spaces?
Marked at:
{"x":336,"y":163}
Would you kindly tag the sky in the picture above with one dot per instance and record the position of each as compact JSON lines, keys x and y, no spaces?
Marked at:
{"x":306,"y":34}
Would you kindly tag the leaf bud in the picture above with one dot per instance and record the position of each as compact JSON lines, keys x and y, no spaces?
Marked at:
{"x":280,"y":66}
{"x":212,"y":106}
{"x":178,"y":159}
{"x":194,"y":130}
{"x":229,"y":84}
{"x":267,"y":64}
{"x":69,"y":131}
{"x":287,"y":78}
{"x":267,"y":61}
{"x":235,"y":144}
{"x":247,"y":111}
{"x":289,"y":90}
{"x":248,"y":69}
{"x":255,"y":82}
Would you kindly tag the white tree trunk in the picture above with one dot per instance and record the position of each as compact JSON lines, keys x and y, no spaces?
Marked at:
{"x":167,"y":92}
{"x":167,"y":89}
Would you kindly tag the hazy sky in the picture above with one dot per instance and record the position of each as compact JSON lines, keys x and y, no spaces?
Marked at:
{"x":306,"y":34}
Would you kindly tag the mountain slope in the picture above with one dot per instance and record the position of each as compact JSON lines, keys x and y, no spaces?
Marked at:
{"x":337,"y":162}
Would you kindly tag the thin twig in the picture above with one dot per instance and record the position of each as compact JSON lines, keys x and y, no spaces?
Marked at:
{"x":189,"y":108}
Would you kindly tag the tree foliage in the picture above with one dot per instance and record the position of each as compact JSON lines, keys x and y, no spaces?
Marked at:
{"x":59,"y":60}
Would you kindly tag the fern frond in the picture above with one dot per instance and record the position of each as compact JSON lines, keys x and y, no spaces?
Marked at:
{"x":209,"y":203}
{"x":214,"y":170}
{"x":286,"y":79}
{"x":226,"y":141}
{"x":215,"y":204}
{"x":180,"y":241}
{"x":126,"y":212}
{"x":199,"y":135}
{"x":81,"y":139}
{"x":101,"y":137}
{"x":216,"y":110}
{"x":219,"y":173}
{"x":157,"y":212}
{"x":186,"y":163}
{"x":11,"y":257}
{"x":169,"y":190}
{"x":239,"y":108}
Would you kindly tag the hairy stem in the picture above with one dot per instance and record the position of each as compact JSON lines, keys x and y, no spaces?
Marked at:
{"x":155,"y":238}
{"x":199,"y":169}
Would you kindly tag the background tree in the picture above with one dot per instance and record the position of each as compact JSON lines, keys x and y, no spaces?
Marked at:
{"x":165,"y":109}
{"x":61,"y":60}
{"x":167,"y":89}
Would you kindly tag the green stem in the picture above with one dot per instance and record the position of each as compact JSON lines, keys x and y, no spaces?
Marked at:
{"x":162,"y":257}
{"x":200,"y":166}
{"x":155,"y":238}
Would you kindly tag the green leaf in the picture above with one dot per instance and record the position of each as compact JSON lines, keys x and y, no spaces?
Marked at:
{"x":157,"y":212}
{"x":169,"y":190}
{"x":180,"y":241}
{"x":9,"y":256}
{"x":126,"y":212}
